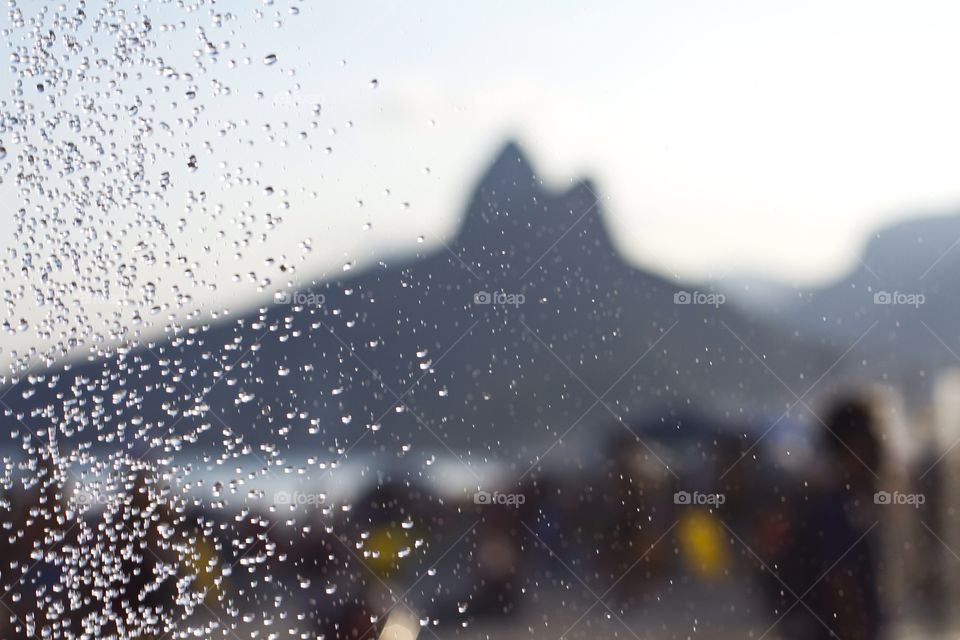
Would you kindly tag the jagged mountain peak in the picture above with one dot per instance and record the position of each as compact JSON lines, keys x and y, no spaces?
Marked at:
{"x":513,"y":219}
{"x":510,"y":167}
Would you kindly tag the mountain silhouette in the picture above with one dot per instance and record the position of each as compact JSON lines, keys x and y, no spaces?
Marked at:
{"x":900,"y":305}
{"x":526,"y":329}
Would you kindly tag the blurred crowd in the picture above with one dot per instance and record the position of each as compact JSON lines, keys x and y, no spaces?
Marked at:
{"x":845,"y":531}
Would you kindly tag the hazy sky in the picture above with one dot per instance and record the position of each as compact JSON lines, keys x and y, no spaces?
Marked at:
{"x":763,"y":136}
{"x":759,"y":136}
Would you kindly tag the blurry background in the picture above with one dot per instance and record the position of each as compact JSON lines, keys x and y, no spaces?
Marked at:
{"x":481,"y":321}
{"x":756,"y":140}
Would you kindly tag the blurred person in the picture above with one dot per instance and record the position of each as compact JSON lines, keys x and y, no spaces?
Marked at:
{"x":632,"y":508}
{"x":496,"y":557}
{"x":702,"y":542}
{"x":34,"y":526}
{"x":830,"y":555}
{"x":135,"y":594}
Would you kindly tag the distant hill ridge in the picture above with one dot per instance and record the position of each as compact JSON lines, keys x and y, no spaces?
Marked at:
{"x":414,"y":357}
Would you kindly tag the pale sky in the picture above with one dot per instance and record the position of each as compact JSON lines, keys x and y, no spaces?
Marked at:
{"x":758,"y":137}
{"x":767,"y":137}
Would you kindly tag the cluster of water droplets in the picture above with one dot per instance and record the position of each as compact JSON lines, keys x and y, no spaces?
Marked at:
{"x":113,"y":189}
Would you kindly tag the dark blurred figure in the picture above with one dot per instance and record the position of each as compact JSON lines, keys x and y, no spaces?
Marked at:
{"x":932,"y":587}
{"x":34,"y":524}
{"x":135,"y":598}
{"x":831,"y":553}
